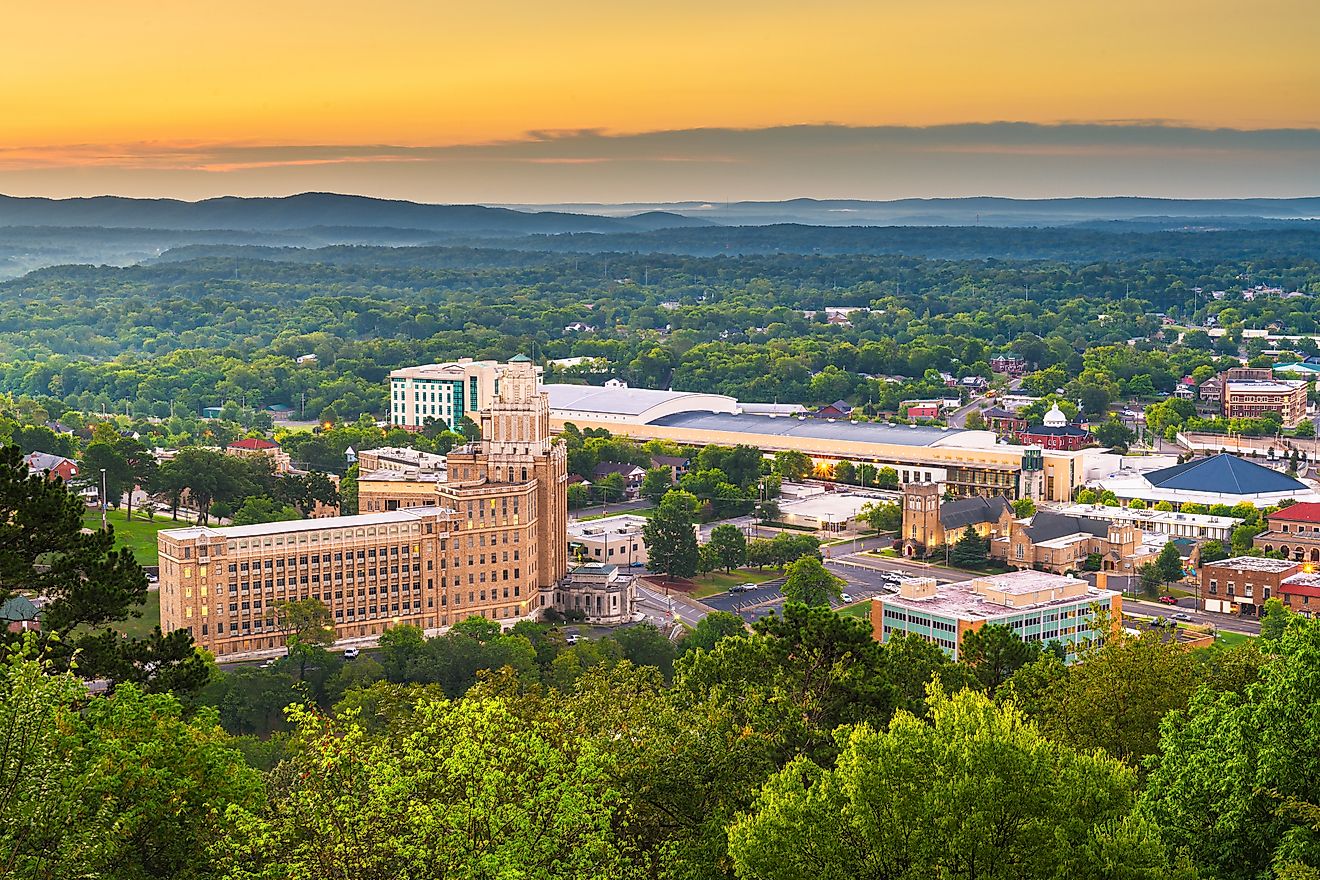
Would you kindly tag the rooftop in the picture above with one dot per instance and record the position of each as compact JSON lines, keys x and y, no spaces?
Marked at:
{"x":1055,"y":431}
{"x":1255,"y":563}
{"x":1306,"y":511}
{"x":411,"y":475}
{"x":403,"y":453}
{"x":1263,"y":386}
{"x":970,"y":600}
{"x":1148,"y":516}
{"x":618,"y":400}
{"x":254,"y":443}
{"x":820,"y":429}
{"x":621,"y":524}
{"x":1224,"y":474}
{"x":260,"y":530}
{"x":972,"y":511}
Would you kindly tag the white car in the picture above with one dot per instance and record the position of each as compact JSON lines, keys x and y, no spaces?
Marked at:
{"x":351,"y":653}
{"x":845,"y":598}
{"x":572,"y":639}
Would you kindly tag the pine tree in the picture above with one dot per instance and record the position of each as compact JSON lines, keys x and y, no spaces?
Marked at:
{"x":970,"y":550}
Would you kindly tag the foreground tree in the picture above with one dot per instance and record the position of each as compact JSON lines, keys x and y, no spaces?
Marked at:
{"x":970,"y":550}
{"x":127,"y":786}
{"x":471,"y":790}
{"x":1116,"y":698}
{"x":978,"y":792}
{"x":994,"y":653}
{"x":1235,"y":781}
{"x":88,"y":586}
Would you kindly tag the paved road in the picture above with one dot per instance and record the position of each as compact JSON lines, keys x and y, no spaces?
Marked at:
{"x":957,"y":418}
{"x":1225,"y":622}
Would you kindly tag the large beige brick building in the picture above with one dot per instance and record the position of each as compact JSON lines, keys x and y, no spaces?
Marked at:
{"x":1251,"y":393}
{"x":492,"y":543}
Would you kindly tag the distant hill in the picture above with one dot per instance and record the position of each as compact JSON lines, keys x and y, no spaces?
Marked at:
{"x":982,"y":211}
{"x":316,"y":210}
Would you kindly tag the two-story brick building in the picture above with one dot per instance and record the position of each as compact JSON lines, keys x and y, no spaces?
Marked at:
{"x":1242,"y":584}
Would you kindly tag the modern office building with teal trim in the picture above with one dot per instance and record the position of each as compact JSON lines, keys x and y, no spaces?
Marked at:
{"x":442,"y":392}
{"x":1036,"y":605}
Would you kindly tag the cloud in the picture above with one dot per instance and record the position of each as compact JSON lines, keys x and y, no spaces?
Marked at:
{"x":1114,"y":157}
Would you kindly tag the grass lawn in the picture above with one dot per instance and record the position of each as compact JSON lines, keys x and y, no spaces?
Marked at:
{"x":718,"y":581}
{"x":857,"y":609}
{"x":137,"y":535}
{"x":141,"y":627}
{"x":1231,"y":639}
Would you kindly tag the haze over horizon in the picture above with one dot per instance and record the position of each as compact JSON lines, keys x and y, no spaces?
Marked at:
{"x":587,"y":102}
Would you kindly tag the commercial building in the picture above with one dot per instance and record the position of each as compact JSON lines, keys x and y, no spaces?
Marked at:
{"x":610,"y":539}
{"x":828,"y":511}
{"x":492,"y":544}
{"x":1293,"y":531}
{"x":1008,"y":364}
{"x":1037,"y":606}
{"x":387,"y":490}
{"x":590,"y":405}
{"x":966,"y":462}
{"x":442,"y":392}
{"x":1242,"y":584}
{"x":1003,"y":422}
{"x":258,"y":447}
{"x":1252,"y":393}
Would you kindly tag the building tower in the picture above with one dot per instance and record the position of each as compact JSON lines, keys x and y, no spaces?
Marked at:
{"x":510,"y":494}
{"x":1031,"y":480}
{"x":921,"y":517}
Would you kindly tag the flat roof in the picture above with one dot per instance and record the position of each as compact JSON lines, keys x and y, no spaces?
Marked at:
{"x":832,"y":504}
{"x":1149,"y":515}
{"x":820,"y":429}
{"x":260,"y":530}
{"x":412,"y":475}
{"x":626,"y":401}
{"x":620,"y":524}
{"x":1255,"y":563}
{"x":1264,"y":386}
{"x":964,"y":602}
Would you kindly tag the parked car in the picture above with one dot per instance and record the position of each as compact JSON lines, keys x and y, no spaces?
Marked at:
{"x":1168,"y":600}
{"x":269,"y":663}
{"x":846,"y":598}
{"x":351,"y":653}
{"x":572,"y":639}
{"x":742,"y":588}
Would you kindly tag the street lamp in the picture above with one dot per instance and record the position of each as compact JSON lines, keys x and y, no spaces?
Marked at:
{"x":103,"y":499}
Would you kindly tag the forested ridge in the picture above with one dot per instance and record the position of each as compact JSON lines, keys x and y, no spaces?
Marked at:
{"x":210,"y":329}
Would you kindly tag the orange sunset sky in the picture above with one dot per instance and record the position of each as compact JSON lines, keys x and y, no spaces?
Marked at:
{"x":524,"y":102}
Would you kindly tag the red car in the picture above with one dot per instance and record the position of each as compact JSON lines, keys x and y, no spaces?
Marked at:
{"x":1168,"y":600}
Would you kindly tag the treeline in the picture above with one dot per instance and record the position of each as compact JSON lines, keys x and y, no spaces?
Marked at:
{"x":180,"y":336}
